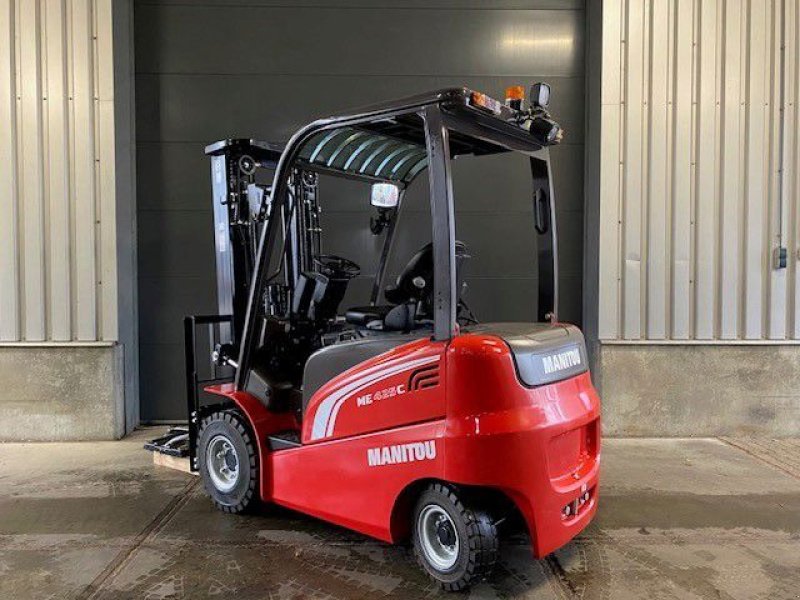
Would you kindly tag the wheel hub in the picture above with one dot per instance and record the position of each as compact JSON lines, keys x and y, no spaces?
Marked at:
{"x":438,"y":537}
{"x":445,"y":533}
{"x":222,"y":463}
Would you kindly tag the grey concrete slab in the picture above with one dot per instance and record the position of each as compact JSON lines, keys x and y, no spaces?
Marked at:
{"x":699,"y":389}
{"x":61,"y":393}
{"x":67,"y":510}
{"x":782,"y":453}
{"x":696,"y":518}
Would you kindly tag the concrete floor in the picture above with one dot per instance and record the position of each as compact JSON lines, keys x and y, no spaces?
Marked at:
{"x":678,"y":519}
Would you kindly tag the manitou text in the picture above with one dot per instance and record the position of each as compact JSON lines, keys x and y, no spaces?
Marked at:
{"x":401,"y":453}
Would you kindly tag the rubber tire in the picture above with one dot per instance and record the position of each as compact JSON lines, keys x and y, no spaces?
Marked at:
{"x":232,"y":425}
{"x":477,"y":534}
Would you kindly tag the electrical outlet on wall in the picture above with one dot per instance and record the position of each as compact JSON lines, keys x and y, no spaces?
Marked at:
{"x":779,"y":255}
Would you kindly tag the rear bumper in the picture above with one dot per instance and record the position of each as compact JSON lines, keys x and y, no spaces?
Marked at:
{"x":545,"y":456}
{"x":559,"y":509}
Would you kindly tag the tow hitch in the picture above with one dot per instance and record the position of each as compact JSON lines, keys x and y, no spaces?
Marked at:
{"x":573,"y":509}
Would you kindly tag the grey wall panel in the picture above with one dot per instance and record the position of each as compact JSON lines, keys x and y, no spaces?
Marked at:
{"x":570,"y":243}
{"x":364,"y":41}
{"x":502,"y":299}
{"x":407,"y":4}
{"x":161,"y":388}
{"x":174,"y":244}
{"x":570,"y":298}
{"x":176,"y":107}
{"x":174,"y":298}
{"x":211,"y":70}
{"x":566,"y":162}
{"x":173,"y":176}
{"x":348,"y":234}
{"x":500,"y":244}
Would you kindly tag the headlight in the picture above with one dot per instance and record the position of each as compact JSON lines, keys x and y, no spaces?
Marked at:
{"x":546,"y":131}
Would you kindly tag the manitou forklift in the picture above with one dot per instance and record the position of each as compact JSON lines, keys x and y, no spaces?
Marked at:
{"x":403,"y":418}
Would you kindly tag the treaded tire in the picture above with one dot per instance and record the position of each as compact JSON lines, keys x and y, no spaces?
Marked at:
{"x":477,"y":536}
{"x":233,"y":426}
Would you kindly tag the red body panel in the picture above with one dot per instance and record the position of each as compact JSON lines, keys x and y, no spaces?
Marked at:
{"x":459,"y":414}
{"x":399,"y":387}
{"x":333,"y":480}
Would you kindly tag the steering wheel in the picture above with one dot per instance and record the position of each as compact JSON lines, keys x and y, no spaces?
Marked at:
{"x":336,"y":267}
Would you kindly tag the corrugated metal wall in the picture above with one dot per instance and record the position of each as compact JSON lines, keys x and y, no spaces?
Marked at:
{"x":58,"y":242}
{"x":699,"y":104}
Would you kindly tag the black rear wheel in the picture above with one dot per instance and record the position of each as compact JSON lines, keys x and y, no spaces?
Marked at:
{"x":455,"y":543}
{"x":228,"y":461}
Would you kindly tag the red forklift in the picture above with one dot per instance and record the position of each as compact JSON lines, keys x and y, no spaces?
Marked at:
{"x":404,"y":418}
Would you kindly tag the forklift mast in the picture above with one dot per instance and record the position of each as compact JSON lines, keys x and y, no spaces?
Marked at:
{"x":240,"y":211}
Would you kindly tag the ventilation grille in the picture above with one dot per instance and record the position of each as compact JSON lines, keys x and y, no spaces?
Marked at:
{"x":424,"y":378}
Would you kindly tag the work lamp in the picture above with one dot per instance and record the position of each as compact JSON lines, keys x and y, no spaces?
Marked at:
{"x":540,"y":95}
{"x":546,"y":131}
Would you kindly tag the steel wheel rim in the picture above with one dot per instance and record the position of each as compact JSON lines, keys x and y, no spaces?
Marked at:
{"x":222,"y":463}
{"x":440,"y":554}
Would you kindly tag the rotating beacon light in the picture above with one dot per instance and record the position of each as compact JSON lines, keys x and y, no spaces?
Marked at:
{"x":515,"y":94}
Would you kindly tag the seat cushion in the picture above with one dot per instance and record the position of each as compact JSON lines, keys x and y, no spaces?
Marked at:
{"x":361,"y":315}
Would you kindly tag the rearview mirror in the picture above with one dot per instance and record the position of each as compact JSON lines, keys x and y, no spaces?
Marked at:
{"x":384,"y":195}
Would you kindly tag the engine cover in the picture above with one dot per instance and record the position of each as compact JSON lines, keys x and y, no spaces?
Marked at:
{"x":543,"y":353}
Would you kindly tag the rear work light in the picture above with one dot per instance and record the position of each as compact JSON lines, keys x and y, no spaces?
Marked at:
{"x":485,"y":102}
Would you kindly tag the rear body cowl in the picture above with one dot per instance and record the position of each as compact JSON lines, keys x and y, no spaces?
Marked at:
{"x":523,"y":417}
{"x":542,"y":353}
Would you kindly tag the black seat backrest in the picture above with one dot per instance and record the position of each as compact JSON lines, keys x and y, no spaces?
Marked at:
{"x":421,"y":266}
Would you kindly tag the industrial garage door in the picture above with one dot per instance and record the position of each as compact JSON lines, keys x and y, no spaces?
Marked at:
{"x":212,"y":70}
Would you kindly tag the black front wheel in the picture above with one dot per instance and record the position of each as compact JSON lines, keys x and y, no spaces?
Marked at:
{"x":455,"y":543}
{"x":228,"y":461}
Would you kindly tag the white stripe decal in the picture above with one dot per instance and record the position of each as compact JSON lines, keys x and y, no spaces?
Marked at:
{"x":326,"y":406}
{"x":399,"y":369}
{"x":328,"y":410}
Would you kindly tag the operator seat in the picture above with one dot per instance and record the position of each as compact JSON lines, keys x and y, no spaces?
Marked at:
{"x":414,"y":284}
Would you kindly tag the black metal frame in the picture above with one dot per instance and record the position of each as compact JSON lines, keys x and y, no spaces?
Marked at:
{"x":541,"y":175}
{"x":444,"y":228}
{"x":193,"y":383}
